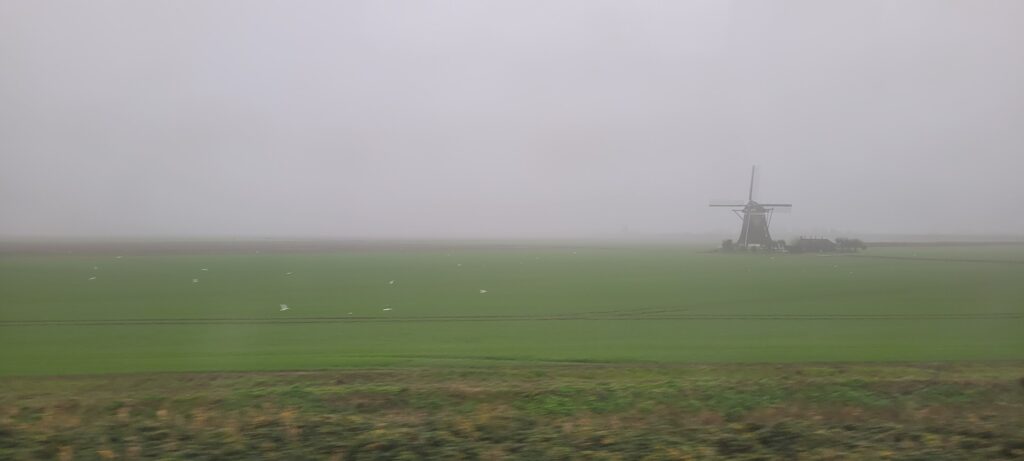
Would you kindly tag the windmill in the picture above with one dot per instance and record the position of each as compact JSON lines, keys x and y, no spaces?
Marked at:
{"x":756,"y":218}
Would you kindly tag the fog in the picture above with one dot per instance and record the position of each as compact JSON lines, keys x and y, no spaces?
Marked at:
{"x":406,"y":119}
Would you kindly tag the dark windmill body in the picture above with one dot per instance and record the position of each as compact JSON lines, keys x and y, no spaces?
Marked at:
{"x":757,"y":218}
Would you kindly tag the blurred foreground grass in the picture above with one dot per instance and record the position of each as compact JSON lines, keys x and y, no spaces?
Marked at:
{"x":529,"y":412}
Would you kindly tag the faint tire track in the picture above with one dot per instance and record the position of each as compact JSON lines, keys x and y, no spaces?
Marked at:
{"x":946,"y":260}
{"x":516,"y":318}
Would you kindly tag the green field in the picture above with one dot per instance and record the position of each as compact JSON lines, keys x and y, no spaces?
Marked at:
{"x":603,"y":352}
{"x":544,"y":303}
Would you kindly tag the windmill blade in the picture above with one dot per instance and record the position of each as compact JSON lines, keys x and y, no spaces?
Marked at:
{"x":777,"y":205}
{"x":753,"y":172}
{"x":733,"y":203}
{"x":727,"y":203}
{"x":780,"y":209}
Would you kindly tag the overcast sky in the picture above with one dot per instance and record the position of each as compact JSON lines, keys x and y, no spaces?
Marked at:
{"x":503,"y":119}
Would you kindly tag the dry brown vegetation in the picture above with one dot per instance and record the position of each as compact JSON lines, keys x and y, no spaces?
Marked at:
{"x":528,"y":412}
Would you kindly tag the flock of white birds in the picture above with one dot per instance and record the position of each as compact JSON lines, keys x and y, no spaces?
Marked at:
{"x":386,"y":308}
{"x":283,"y":307}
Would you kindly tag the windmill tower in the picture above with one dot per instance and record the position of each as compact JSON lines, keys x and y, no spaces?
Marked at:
{"x":756,"y":217}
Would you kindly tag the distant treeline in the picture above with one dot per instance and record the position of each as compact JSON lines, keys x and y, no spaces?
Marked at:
{"x":802,"y":245}
{"x":944,"y":243}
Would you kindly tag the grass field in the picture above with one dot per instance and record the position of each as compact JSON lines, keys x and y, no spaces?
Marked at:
{"x":143,"y":312}
{"x":636,"y":352}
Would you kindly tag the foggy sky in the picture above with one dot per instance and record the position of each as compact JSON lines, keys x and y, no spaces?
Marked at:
{"x":505,"y":119}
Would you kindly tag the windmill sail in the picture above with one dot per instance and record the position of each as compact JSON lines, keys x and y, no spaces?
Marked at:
{"x":753,"y":171}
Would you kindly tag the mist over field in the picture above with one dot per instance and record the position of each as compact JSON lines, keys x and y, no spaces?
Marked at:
{"x":507,"y":230}
{"x":366,"y":119}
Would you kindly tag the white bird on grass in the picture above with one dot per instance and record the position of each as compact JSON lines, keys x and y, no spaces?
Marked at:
{"x":284,"y":307}
{"x":391,"y":282}
{"x":288,"y":273}
{"x":204,"y":269}
{"x":92,"y":278}
{"x":195,"y":280}
{"x":483,"y":291}
{"x":387,"y":309}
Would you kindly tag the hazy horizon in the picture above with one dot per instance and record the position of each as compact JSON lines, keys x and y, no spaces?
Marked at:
{"x":508,"y":119}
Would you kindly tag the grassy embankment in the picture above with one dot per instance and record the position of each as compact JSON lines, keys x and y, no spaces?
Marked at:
{"x":928,"y":411}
